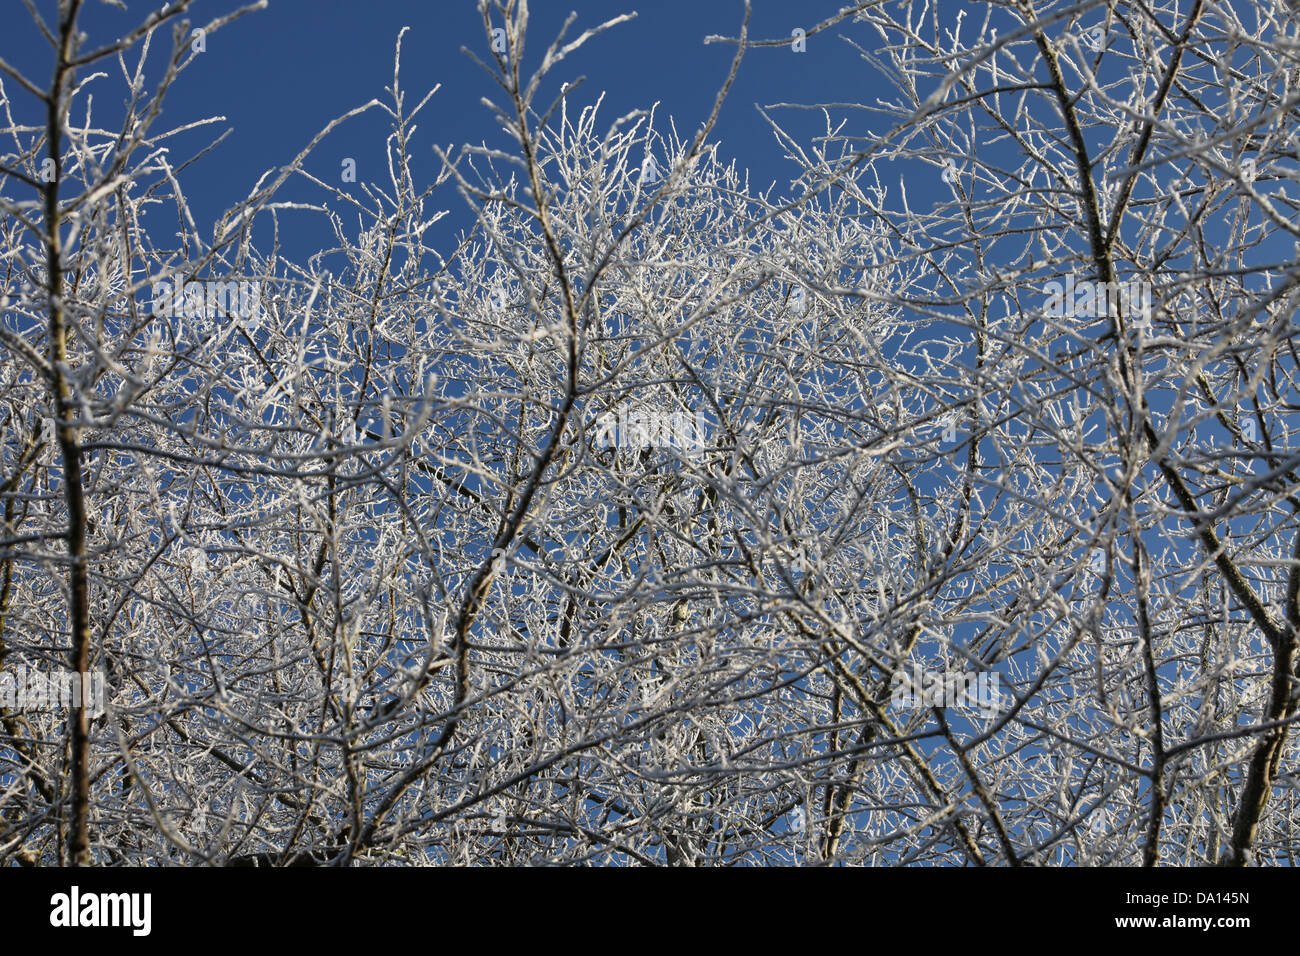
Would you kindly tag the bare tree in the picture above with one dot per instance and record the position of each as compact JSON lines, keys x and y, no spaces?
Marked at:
{"x":1102,"y":300}
{"x":651,"y":520}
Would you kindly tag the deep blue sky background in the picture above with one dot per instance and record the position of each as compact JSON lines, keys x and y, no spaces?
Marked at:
{"x":279,"y":75}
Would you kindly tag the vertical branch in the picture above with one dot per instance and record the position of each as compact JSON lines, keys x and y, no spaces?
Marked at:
{"x":1141,"y":576}
{"x":68,"y":435}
